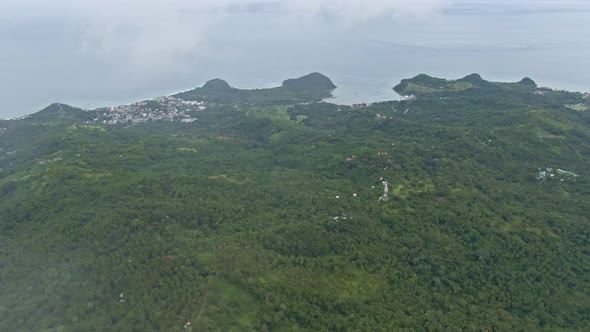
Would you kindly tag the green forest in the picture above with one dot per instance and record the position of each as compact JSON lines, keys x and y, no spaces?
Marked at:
{"x":463,"y":208}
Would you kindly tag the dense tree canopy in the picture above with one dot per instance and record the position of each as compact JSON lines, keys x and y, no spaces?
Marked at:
{"x":269,"y":218}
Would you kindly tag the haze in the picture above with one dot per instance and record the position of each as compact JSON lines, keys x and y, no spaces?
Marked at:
{"x":99,"y":53}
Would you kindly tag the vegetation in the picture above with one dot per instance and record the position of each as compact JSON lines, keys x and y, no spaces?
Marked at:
{"x":469,"y":85}
{"x":312,"y":87}
{"x":268,"y":218}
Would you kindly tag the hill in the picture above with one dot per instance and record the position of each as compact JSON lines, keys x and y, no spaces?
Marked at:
{"x":309,"y":88}
{"x":469,"y":212}
{"x":59,"y":113}
{"x":472,"y":84}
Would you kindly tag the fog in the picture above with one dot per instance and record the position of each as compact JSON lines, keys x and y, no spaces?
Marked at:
{"x":98,"y":53}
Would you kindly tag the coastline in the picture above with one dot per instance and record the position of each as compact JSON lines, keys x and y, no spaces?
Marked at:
{"x":349,"y":90}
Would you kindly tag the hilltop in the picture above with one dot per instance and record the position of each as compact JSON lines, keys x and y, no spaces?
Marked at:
{"x":58,"y":112}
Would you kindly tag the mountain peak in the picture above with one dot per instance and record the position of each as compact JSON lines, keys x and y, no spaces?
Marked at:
{"x":60,"y":112}
{"x":527,"y":81}
{"x":59,"y":108}
{"x":216,"y":84}
{"x":473,"y":78}
{"x":311,"y":81}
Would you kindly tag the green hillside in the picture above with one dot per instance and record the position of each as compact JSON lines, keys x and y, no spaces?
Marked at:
{"x":275,"y":217}
{"x":311,"y":87}
{"x":472,"y":84}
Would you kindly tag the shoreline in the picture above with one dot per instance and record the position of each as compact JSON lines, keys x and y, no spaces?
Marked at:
{"x":345,"y":93}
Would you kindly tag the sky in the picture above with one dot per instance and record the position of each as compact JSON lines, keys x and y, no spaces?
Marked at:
{"x":91,"y":53}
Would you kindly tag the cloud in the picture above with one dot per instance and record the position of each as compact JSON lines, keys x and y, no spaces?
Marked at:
{"x":154,"y":36}
{"x":347,"y":10}
{"x":352,"y":11}
{"x":140,"y":35}
{"x":150,"y":39}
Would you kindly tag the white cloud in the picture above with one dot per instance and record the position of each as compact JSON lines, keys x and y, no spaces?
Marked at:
{"x":151,"y":36}
{"x":350,"y":11}
{"x":141,"y":35}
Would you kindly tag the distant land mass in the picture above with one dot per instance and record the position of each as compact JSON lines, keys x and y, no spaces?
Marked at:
{"x":311,"y":87}
{"x":423,"y":84}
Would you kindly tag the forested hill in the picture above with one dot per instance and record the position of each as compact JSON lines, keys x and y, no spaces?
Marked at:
{"x":473,"y":84}
{"x":312,"y":87}
{"x":462,"y":211}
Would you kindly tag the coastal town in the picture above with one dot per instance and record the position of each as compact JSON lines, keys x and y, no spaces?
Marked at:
{"x":159,"y":109}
